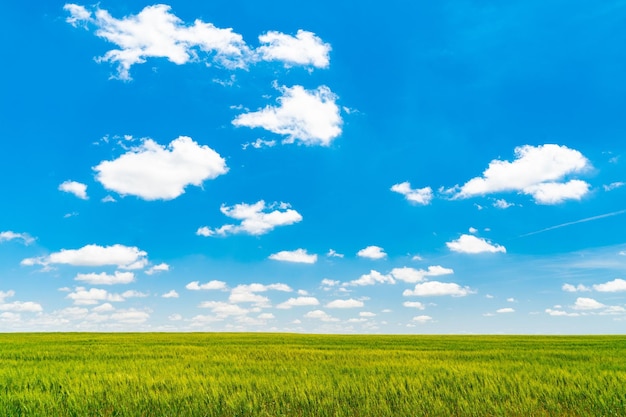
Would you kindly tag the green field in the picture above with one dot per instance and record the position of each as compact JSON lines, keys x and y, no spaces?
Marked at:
{"x":201,"y":374}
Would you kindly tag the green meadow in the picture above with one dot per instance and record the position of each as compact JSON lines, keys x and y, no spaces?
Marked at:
{"x":207,"y":374}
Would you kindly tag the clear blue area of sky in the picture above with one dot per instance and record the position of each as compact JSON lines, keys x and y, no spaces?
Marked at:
{"x":430,"y":93}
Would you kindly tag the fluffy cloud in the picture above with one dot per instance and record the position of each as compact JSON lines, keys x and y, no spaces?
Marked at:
{"x":124,"y":257}
{"x":296,"y":256}
{"x":156,"y":33}
{"x":422,"y":319}
{"x":372,"y":252}
{"x":82,"y":296}
{"x":616,"y":285}
{"x":412,"y":275}
{"x":18,"y":306}
{"x":256,"y":219}
{"x":577,"y":288}
{"x":537,"y":171}
{"x":221,"y":309}
{"x":106,"y":279}
{"x":162,"y":267}
{"x":76,"y":188}
{"x":248,"y":293}
{"x":303,"y":49}
{"x":421,"y":196}
{"x":374,"y":277}
{"x":130,"y":316}
{"x":414,"y":304}
{"x":560,"y":313}
{"x":320,"y":315}
{"x":298,"y":302}
{"x":351,"y":303}
{"x":472,"y":244}
{"x":9,"y":235}
{"x":211,"y":285}
{"x":436,"y":288}
{"x":505,"y":310}
{"x":155,"y":172}
{"x":309,"y":116}
{"x":587,"y":304}
{"x":170,"y":294}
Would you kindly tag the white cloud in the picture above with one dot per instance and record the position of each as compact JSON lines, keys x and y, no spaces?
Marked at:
{"x":320,"y":315}
{"x":414,"y":304}
{"x":303,"y":49}
{"x":616,"y":285}
{"x":422,"y":319}
{"x":82,"y":296}
{"x":421,"y":196}
{"x":21,"y":307}
{"x":125,"y":257}
{"x":298,"y":302}
{"x":436,"y":288}
{"x":472,"y":244}
{"x":535,"y":171}
{"x":162,"y":267}
{"x":6,"y":294}
{"x":372,"y":252}
{"x":613,"y":186}
{"x":9,"y":235}
{"x":259,"y":143}
{"x":106,"y":279}
{"x":329,"y":282}
{"x":502,"y":204}
{"x":577,"y":288}
{"x":309,"y":116}
{"x":374,"y":277}
{"x":76,"y":188}
{"x":561,"y":313}
{"x":108,"y":199}
{"x":222,"y":309}
{"x":296,"y":256}
{"x":333,"y":254}
{"x":155,"y":172}
{"x":473,"y":230}
{"x":211,"y":285}
{"x":248,"y":293}
{"x":587,"y":304}
{"x":367,"y":314}
{"x":511,"y":300}
{"x":412,"y":275}
{"x":505,"y":310}
{"x":256,"y":219}
{"x":134,"y":294}
{"x":170,"y":294}
{"x":130,"y":316}
{"x":103,"y":308}
{"x":351,"y":303}
{"x":156,"y":33}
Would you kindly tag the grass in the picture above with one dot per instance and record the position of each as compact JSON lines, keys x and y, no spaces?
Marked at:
{"x":199,"y":374}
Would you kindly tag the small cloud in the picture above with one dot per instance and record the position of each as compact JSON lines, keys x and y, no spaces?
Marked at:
{"x":374,"y":277}
{"x":76,"y":188}
{"x":417,"y":258}
{"x":298,"y":302}
{"x":613,"y":186}
{"x":109,"y":199}
{"x":561,"y":313}
{"x":296,"y":256}
{"x":162,"y":267}
{"x":170,"y":294}
{"x":320,"y":315}
{"x":502,"y":204}
{"x":106,"y":279}
{"x":489,"y":296}
{"x":472,"y":245}
{"x":414,"y":304}
{"x":421,"y":196}
{"x":367,"y":314}
{"x":412,"y":276}
{"x":422,"y":319}
{"x":333,"y":254}
{"x":587,"y":304}
{"x":8,"y":236}
{"x":256,"y":219}
{"x":303,"y":49}
{"x":511,"y":300}
{"x":351,"y":303}
{"x":436,"y":288}
{"x":211,"y":285}
{"x":259,"y":143}
{"x":123,"y":257}
{"x":372,"y":252}
{"x":577,"y":288}
{"x":505,"y":310}
{"x":330,"y":282}
{"x":473,"y":230}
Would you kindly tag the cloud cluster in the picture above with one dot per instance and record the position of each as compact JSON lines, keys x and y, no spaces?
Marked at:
{"x":473,"y":245}
{"x":617,"y":285}
{"x":256,"y":219}
{"x":421,"y":196}
{"x":155,"y":172}
{"x":155,"y":32}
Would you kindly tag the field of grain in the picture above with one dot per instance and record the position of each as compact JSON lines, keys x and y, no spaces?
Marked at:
{"x":310,"y":375}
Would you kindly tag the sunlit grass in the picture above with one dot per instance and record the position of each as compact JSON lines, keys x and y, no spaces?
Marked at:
{"x":310,"y":375}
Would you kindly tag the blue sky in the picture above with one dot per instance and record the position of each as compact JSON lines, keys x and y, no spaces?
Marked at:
{"x":455,"y":167}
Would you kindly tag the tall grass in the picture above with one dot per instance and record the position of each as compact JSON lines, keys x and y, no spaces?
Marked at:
{"x":310,"y":375}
